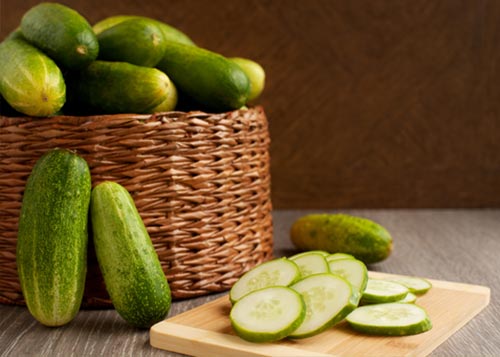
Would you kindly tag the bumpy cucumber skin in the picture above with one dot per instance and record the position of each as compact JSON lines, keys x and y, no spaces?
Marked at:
{"x":118,"y":87}
{"x":30,"y":81}
{"x":130,"y":266}
{"x":210,"y":79}
{"x":170,"y":33}
{"x":52,"y":239}
{"x":62,"y":33}
{"x":341,"y":233}
{"x":136,"y":41}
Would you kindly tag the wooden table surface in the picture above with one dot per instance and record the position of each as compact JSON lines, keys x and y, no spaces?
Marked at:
{"x":453,"y":245}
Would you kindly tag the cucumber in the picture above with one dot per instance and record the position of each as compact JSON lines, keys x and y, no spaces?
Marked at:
{"x":416,"y":285}
{"x":118,"y":87}
{"x":277,"y":272}
{"x":380,"y":291}
{"x":255,"y":73}
{"x":269,"y":314}
{"x":353,"y":270}
{"x":130,"y":266}
{"x":208,"y":78}
{"x":62,"y":33}
{"x":136,"y":41}
{"x":170,"y":33}
{"x":329,"y":299}
{"x":30,"y":81}
{"x":52,"y":238}
{"x":337,"y":256}
{"x":410,"y":298}
{"x":392,"y":319}
{"x":341,"y":233}
{"x":170,"y":101}
{"x":310,"y":263}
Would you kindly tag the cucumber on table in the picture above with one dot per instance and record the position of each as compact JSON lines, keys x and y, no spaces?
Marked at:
{"x":353,"y":270}
{"x":52,"y":237}
{"x":62,"y":33}
{"x":30,"y":81}
{"x":416,"y":285}
{"x":130,"y":266}
{"x":382,"y":291}
{"x":310,"y":263}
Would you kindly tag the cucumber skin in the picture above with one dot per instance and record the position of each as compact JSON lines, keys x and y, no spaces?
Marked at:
{"x":30,"y":81}
{"x":341,"y":233}
{"x":62,"y":33}
{"x":136,"y":41}
{"x":255,"y":74}
{"x":52,"y":239}
{"x":210,"y":79}
{"x":170,"y":33}
{"x":132,"y":272}
{"x":117,"y":87}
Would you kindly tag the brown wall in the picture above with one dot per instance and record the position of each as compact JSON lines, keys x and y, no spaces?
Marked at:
{"x":370,"y":103}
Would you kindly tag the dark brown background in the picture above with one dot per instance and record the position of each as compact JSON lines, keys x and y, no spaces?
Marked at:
{"x":370,"y":103}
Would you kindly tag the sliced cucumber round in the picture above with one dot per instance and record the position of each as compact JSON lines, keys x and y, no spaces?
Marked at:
{"x":329,"y":298}
{"x":268,"y":314}
{"x":337,"y":256}
{"x":353,"y":270}
{"x":392,"y":319}
{"x":380,"y":291}
{"x":415,"y":285}
{"x":322,"y":252}
{"x":410,"y":298}
{"x":277,"y":272}
{"x":310,"y":263}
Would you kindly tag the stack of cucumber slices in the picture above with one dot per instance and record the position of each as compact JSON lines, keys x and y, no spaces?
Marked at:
{"x":303,"y":295}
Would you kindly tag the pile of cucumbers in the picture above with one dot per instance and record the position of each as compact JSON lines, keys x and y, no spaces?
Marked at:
{"x":56,"y":62}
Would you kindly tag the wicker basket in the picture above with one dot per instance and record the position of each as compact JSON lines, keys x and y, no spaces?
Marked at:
{"x":200,"y":181}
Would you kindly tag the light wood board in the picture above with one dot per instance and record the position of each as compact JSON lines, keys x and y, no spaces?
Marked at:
{"x":206,"y":330}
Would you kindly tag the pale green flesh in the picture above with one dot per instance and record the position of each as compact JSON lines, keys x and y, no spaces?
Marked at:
{"x":338,"y":256}
{"x":410,"y":298}
{"x":378,"y":290}
{"x":310,"y":263}
{"x":414,"y":284}
{"x":328,"y":300}
{"x":354,"y":271}
{"x":277,"y":272}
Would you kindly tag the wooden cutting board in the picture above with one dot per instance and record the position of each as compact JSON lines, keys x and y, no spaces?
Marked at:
{"x":206,"y":330}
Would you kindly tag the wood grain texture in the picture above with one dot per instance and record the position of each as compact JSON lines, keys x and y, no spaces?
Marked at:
{"x":453,"y":245}
{"x":371,"y":103}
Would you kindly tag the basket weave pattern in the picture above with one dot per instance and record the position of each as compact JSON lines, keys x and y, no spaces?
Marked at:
{"x":200,"y":181}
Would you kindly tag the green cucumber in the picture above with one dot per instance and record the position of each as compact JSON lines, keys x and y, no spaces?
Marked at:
{"x":118,"y":87}
{"x":255,"y":74}
{"x":52,"y":238}
{"x":269,"y":314}
{"x":276,"y":272}
{"x":30,"y":81}
{"x":337,"y":256}
{"x":310,"y":263}
{"x":130,"y":266}
{"x":416,"y":285}
{"x":380,"y":291}
{"x":392,"y":319}
{"x":136,"y":41}
{"x":329,"y":299}
{"x":353,"y":270}
{"x":341,"y":233}
{"x":208,"y":78}
{"x":170,"y":33}
{"x":410,"y":298}
{"x":62,"y":33}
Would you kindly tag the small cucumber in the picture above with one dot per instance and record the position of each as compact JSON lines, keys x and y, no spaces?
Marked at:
{"x":328,"y":298}
{"x":392,"y":319}
{"x":130,"y":266}
{"x":170,"y":33}
{"x":380,"y":291}
{"x":118,"y":87}
{"x":353,"y":270}
{"x":255,"y":74}
{"x":30,"y":81}
{"x":52,"y":237}
{"x":208,"y":78}
{"x":310,"y":263}
{"x":136,"y":41}
{"x":62,"y":33}
{"x":269,"y":314}
{"x":277,"y":272}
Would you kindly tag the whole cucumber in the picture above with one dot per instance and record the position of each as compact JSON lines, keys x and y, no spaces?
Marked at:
{"x":340,"y":233}
{"x":52,"y":239}
{"x":132,"y":272}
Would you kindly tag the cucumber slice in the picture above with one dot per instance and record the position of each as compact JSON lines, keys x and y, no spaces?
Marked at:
{"x":277,"y":272}
{"x":337,"y":256}
{"x":268,"y":314}
{"x":380,"y":291}
{"x":410,"y":298}
{"x":415,"y":285}
{"x":329,"y":298}
{"x":310,"y":263}
{"x":322,"y":252}
{"x":393,"y":319}
{"x":353,"y":270}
